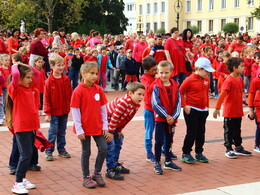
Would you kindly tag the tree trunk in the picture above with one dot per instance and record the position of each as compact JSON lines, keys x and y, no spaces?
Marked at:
{"x":50,"y":24}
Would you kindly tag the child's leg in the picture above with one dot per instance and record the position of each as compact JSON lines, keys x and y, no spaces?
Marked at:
{"x":237,"y":131}
{"x":1,"y":110}
{"x":62,"y":126}
{"x":257,"y":132}
{"x":85,"y":155}
{"x":76,"y":79}
{"x":149,"y":128}
{"x":25,"y":141}
{"x":168,"y":142}
{"x":52,"y":133}
{"x":14,"y":157}
{"x":35,"y":157}
{"x":122,"y":71}
{"x":102,"y":151}
{"x":200,"y":137}
{"x":104,"y":80}
{"x":159,"y":137}
{"x":41,"y":101}
{"x":191,"y":121}
{"x":4,"y":90}
{"x":110,"y":157}
{"x":229,"y":124}
{"x":118,"y":146}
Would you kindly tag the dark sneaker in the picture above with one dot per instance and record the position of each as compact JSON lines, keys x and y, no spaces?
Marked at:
{"x":121,"y":169}
{"x":12,"y":170}
{"x":173,"y":156}
{"x":171,"y":166}
{"x":34,"y":168}
{"x":230,"y":154}
{"x":241,"y":151}
{"x":150,"y":158}
{"x":201,"y":158}
{"x":49,"y":157}
{"x":114,"y":175}
{"x":88,"y":182}
{"x":188,"y":159}
{"x":98,"y":179}
{"x":158,"y":168}
{"x":64,"y":154}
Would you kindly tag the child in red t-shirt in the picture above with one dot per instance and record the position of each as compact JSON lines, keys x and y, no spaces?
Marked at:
{"x":232,"y":95}
{"x":255,"y":66}
{"x":222,"y":70}
{"x":86,"y":97}
{"x":68,"y":59}
{"x":248,"y":57}
{"x":217,"y":61}
{"x":22,"y":117}
{"x":38,"y":63}
{"x":57,"y":95}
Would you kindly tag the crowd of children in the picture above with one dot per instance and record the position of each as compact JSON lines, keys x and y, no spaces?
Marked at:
{"x":221,"y":70}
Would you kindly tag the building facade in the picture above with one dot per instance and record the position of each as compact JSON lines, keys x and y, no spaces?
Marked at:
{"x":130,"y":13}
{"x":208,"y":15}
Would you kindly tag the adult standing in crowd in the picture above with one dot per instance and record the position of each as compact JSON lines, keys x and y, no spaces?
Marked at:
{"x":238,"y":45}
{"x":12,"y":42}
{"x":3,"y":48}
{"x":94,"y":40}
{"x":175,"y":52}
{"x":61,"y":38}
{"x":187,"y":36}
{"x":36,"y":47}
{"x":130,"y":43}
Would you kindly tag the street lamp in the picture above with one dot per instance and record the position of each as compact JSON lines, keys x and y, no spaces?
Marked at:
{"x":178,"y":7}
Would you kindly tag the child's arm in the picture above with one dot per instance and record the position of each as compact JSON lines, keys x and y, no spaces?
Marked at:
{"x":177,"y":110}
{"x":220,"y":100}
{"x":109,"y":136}
{"x":15,"y":75}
{"x":2,"y":79}
{"x":109,"y":64}
{"x":77,"y":121}
{"x":157,"y":105}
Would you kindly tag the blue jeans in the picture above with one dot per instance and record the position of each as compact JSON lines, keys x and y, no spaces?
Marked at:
{"x":180,"y":77}
{"x":1,"y":107}
{"x":257,"y":133}
{"x":149,"y":129}
{"x":74,"y":77}
{"x":113,"y":151}
{"x":57,"y":131}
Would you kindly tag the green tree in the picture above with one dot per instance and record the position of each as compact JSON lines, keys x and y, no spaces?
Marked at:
{"x":195,"y":29}
{"x":231,"y":28}
{"x":160,"y":31}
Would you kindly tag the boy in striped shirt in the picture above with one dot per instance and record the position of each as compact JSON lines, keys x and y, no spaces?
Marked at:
{"x":120,"y":112}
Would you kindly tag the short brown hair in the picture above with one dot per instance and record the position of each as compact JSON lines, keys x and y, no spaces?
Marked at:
{"x":37,"y":31}
{"x":134,"y":86}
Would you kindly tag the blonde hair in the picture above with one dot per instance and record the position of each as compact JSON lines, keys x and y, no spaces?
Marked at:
{"x":235,"y":54}
{"x":87,"y":66}
{"x":94,"y":50}
{"x":22,"y":50}
{"x":2,"y":56}
{"x":75,"y":36}
{"x":37,"y":59}
{"x":165,"y":64}
{"x":55,"y":58}
{"x":88,"y":49}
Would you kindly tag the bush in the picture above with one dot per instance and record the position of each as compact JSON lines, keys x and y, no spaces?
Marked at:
{"x":231,"y":28}
{"x":160,"y":31}
{"x":195,"y":29}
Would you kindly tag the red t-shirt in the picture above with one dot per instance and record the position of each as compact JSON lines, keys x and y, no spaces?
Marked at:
{"x":237,"y":47}
{"x":92,"y":59}
{"x":103,"y":63}
{"x":233,"y":106}
{"x":40,"y":84}
{"x":86,"y":58}
{"x":89,"y":100}
{"x":26,"y":103}
{"x":5,"y":73}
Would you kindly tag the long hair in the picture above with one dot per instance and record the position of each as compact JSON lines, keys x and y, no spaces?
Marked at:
{"x":184,"y":34}
{"x":23,"y":70}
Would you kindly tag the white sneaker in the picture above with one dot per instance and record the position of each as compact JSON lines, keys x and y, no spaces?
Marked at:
{"x":257,"y":149}
{"x":27,"y":184}
{"x":19,"y":188}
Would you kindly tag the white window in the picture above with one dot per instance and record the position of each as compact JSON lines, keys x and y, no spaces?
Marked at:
{"x":211,"y":5}
{"x":148,"y":8}
{"x":163,"y":25}
{"x":199,"y":8}
{"x":223,"y":22}
{"x":236,"y":20}
{"x":210,"y":25}
{"x":148,"y":28}
{"x":140,"y":10}
{"x":155,"y":7}
{"x":199,"y":25}
{"x":188,"y":24}
{"x":251,"y":3}
{"x":163,"y":7}
{"x":236,"y":3}
{"x":250,"y":23}
{"x":223,"y":4}
{"x":155,"y":26}
{"x":188,"y":6}
{"x":130,"y":7}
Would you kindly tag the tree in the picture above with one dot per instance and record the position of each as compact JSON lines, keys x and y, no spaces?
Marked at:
{"x":231,"y":28}
{"x":160,"y":31}
{"x":195,"y":29}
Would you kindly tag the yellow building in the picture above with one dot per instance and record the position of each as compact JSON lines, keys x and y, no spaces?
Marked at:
{"x":208,"y":15}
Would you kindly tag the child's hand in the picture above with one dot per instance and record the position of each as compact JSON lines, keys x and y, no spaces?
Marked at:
{"x":120,"y":134}
{"x":47,"y":118}
{"x":216,"y":113}
{"x":170,"y":121}
{"x":109,"y":136}
{"x":82,"y":136}
{"x":187,"y":109}
{"x":251,"y":114}
{"x":78,"y":56}
{"x":113,"y":68}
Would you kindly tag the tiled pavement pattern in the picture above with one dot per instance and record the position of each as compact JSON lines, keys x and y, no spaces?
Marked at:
{"x":64,"y":177}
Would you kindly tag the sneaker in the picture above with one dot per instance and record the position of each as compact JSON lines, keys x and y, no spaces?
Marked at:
{"x":230,"y":154}
{"x":88,"y":182}
{"x":173,"y":156}
{"x":19,"y":188}
{"x":171,"y":166}
{"x":216,"y":96}
{"x":12,"y":170}
{"x":64,"y":154}
{"x":98,"y":179}
{"x":49,"y":157}
{"x":34,"y":168}
{"x":121,"y":169}
{"x":256,"y":149}
{"x":188,"y":159}
{"x":158,"y":168}
{"x":150,"y":158}
{"x":242,"y":152}
{"x":27,"y":184}
{"x":114,"y":175}
{"x":201,"y":158}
